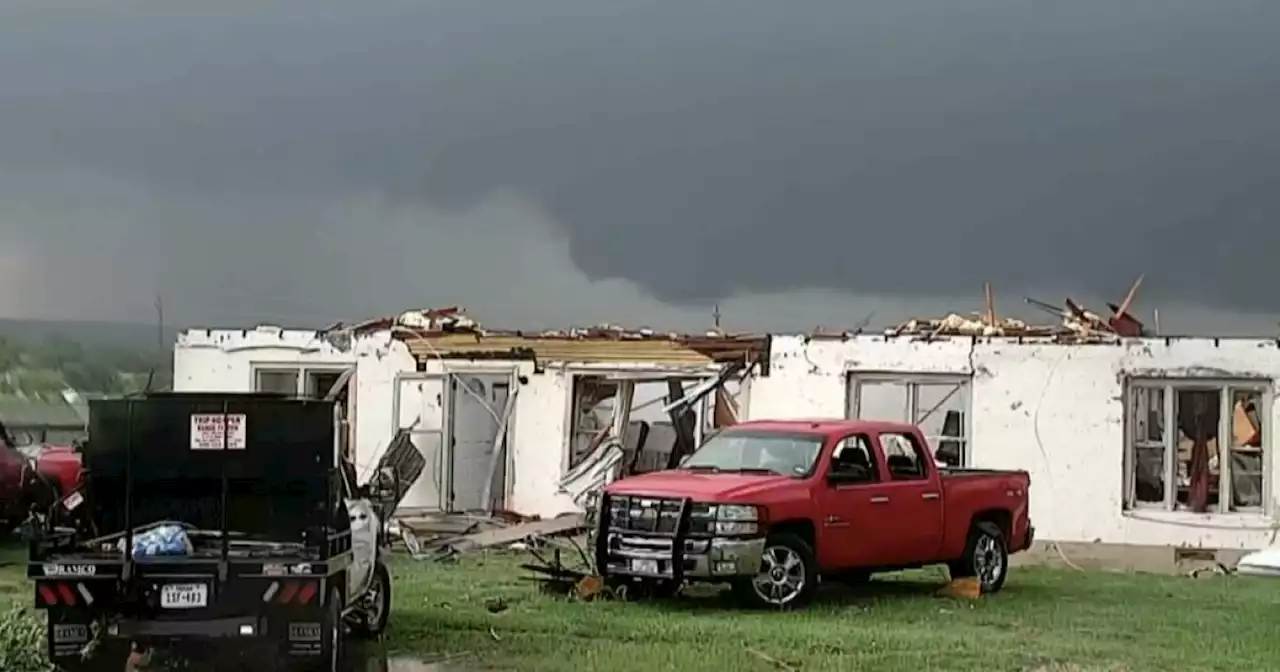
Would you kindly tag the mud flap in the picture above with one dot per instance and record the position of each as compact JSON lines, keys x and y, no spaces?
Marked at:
{"x":67,"y":635}
{"x":305,"y":638}
{"x":309,"y":637}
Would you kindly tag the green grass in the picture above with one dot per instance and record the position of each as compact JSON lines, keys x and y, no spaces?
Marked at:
{"x":1049,"y":620}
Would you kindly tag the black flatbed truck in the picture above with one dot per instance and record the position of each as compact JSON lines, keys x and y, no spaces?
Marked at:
{"x":286,"y":552}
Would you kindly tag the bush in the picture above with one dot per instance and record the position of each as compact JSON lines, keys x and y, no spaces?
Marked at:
{"x":22,"y":641}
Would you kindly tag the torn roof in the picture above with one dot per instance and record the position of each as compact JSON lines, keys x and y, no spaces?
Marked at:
{"x":450,"y":333}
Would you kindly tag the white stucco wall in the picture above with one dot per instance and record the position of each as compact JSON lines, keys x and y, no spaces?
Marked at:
{"x":225,"y":360}
{"x":1056,"y":411}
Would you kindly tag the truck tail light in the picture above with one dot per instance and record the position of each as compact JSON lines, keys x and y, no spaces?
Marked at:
{"x":296,"y":593}
{"x":62,"y":594}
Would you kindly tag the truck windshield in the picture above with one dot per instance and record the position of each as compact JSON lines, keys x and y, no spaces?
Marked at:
{"x":765,"y":452}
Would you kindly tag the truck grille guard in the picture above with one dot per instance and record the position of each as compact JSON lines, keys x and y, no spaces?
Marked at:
{"x":669,"y":543}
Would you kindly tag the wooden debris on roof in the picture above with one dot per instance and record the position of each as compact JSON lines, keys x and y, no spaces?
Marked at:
{"x":450,"y":333}
{"x":1077,"y":322}
{"x":1086,"y":324}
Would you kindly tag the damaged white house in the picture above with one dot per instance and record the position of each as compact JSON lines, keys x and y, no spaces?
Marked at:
{"x":514,"y":421}
{"x":1132,"y":444}
{"x":1139,"y":449}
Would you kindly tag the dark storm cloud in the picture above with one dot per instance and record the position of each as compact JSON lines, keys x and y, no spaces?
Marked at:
{"x":699,"y":149}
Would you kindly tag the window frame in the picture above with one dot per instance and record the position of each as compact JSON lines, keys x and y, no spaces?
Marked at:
{"x":1170,"y":386}
{"x":259,"y":371}
{"x":868,"y":446}
{"x":913,"y":381}
{"x":302,"y":374}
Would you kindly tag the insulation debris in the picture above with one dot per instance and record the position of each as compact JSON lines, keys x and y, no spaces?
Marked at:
{"x":958,"y":325}
{"x":444,"y":537}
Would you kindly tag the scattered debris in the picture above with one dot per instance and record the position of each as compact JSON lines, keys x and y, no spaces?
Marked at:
{"x":588,"y":587}
{"x":776,"y":662}
{"x":495,"y":605}
{"x":965,"y":589}
{"x":1216,"y":569}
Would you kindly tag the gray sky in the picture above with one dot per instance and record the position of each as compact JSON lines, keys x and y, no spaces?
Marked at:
{"x":801,"y":163}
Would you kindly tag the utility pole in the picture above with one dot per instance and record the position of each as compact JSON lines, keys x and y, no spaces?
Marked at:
{"x":715,"y":315}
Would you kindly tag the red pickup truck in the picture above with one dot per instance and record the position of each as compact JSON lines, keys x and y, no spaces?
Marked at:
{"x":771,"y":507}
{"x":35,"y":475}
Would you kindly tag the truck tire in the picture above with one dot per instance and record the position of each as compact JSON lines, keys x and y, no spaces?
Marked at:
{"x":788,"y":575}
{"x":986,"y":557}
{"x":376,"y":606}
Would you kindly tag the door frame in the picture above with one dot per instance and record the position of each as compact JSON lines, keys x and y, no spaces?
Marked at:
{"x":445,"y":405}
{"x":910,"y":495}
{"x":854,"y":499}
{"x":512,"y":373}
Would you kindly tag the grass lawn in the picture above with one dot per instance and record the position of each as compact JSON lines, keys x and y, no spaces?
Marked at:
{"x":1049,"y":620}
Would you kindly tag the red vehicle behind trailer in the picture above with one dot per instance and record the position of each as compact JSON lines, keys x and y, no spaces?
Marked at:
{"x":773,"y":506}
{"x":37,"y":475}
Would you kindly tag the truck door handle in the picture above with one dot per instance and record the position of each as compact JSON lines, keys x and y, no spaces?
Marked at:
{"x":929,"y":495}
{"x":880,"y":500}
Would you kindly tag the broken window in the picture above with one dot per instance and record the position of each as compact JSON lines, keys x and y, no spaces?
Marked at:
{"x":593,"y":403}
{"x":652,"y":433}
{"x":1146,"y":423}
{"x":320,"y":382}
{"x":1195,"y":446}
{"x":938,"y":404}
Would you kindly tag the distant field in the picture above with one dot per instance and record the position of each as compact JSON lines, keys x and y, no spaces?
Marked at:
{"x":95,"y":334}
{"x":1045,"y":620}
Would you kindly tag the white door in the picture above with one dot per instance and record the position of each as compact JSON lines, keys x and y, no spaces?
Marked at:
{"x":474,"y":427}
{"x":422,"y":403}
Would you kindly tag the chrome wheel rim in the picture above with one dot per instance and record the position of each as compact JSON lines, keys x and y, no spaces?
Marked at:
{"x":782,"y":576}
{"x":987,"y":560}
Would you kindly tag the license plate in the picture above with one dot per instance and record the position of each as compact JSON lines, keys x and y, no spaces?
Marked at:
{"x":70,"y":634}
{"x":644,"y":566}
{"x":304,"y":632}
{"x":184,"y":596}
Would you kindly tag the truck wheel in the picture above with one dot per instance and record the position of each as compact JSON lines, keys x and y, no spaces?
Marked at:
{"x":788,"y":575}
{"x":376,"y":604}
{"x":986,"y":557}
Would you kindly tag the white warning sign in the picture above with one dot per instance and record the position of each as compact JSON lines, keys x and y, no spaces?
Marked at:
{"x":207,"y":429}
